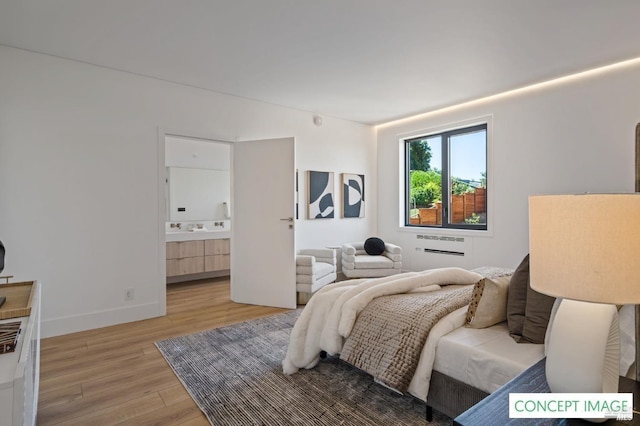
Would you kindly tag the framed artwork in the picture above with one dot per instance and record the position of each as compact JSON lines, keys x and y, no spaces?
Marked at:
{"x":297,"y":197}
{"x":320,"y":190}
{"x":352,"y":195}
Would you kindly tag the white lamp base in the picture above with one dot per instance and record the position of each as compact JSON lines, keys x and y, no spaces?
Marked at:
{"x":583,"y":349}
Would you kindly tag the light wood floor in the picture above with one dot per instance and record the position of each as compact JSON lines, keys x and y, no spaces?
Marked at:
{"x":115,"y":375}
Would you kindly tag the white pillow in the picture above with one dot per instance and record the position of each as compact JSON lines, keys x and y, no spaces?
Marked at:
{"x":488,"y":304}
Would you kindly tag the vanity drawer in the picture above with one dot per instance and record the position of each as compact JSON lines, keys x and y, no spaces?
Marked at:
{"x":213,"y":247}
{"x":217,"y":263}
{"x":184,"y":266}
{"x":183,"y":249}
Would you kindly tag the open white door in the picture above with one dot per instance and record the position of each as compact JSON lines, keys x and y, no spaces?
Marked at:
{"x":262,"y":223}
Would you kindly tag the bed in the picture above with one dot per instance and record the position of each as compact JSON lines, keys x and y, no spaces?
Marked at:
{"x":328,"y":324}
{"x":461,"y":359}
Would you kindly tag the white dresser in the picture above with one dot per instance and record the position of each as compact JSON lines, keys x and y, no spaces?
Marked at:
{"x":20,"y":370}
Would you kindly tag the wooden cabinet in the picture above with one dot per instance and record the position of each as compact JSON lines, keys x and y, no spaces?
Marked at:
{"x":188,"y":265}
{"x":184,"y":249}
{"x":198,"y":256}
{"x":185,"y":257}
{"x":217,"y":255}
{"x":214,"y":247}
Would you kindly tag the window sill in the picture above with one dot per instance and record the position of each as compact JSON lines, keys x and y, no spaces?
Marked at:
{"x":447,"y":231}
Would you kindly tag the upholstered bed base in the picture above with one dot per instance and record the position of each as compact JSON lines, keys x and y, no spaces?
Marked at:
{"x":451,"y":397}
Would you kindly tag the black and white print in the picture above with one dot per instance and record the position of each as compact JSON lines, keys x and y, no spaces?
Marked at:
{"x":321,"y":205}
{"x":352,"y":195}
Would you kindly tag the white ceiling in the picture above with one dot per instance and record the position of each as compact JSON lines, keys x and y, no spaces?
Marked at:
{"x":368,"y":61}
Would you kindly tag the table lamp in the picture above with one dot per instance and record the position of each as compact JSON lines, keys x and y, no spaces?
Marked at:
{"x":585,"y":249}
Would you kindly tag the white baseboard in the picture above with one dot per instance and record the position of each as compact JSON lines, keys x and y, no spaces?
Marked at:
{"x":90,"y":320}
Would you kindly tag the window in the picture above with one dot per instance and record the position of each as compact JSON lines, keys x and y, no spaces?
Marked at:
{"x":446,"y":179}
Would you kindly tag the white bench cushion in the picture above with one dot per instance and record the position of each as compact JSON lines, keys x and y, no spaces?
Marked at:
{"x":321,"y":270}
{"x":484,"y":358}
{"x":373,"y":262}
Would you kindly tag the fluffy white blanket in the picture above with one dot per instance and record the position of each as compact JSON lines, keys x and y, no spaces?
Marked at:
{"x":329,"y":316}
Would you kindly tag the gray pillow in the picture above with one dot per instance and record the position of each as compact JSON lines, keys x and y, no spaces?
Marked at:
{"x":517,"y":299}
{"x":536,"y":317}
{"x":527,"y":310}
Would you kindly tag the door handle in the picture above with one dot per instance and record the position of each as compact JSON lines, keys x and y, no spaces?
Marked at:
{"x":288,"y":219}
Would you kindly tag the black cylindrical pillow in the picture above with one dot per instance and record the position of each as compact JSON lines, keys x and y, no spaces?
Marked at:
{"x":374,"y":246}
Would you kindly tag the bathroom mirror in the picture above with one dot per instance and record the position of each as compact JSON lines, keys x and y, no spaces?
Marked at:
{"x":197,"y":194}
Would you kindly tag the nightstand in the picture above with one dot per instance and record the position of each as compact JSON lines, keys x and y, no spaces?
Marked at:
{"x":494,"y":409}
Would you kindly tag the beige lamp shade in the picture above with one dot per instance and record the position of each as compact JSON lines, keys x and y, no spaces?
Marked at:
{"x":586,"y":247}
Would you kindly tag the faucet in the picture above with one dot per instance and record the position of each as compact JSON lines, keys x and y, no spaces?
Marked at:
{"x":176,"y":225}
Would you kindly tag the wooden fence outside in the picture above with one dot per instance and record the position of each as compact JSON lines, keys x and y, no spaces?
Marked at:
{"x":462,"y":207}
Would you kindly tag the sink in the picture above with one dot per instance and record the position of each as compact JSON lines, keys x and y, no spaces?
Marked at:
{"x":186,"y":235}
{"x":199,"y":230}
{"x":195,"y":230}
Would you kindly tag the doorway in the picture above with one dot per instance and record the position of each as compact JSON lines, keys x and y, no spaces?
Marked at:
{"x":196,"y":226}
{"x":253,"y":165}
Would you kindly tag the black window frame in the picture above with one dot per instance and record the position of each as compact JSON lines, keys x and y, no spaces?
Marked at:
{"x":446,"y":193}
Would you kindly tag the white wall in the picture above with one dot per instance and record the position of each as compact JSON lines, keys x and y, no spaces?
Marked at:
{"x":347,"y":157}
{"x":578,"y":136}
{"x":197,"y":154}
{"x":80,"y":176}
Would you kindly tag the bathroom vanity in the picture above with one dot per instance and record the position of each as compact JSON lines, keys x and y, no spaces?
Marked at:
{"x":193,"y":255}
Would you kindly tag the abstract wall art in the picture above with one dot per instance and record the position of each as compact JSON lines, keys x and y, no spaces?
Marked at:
{"x":352,"y":195}
{"x":321,"y":204}
{"x":297,"y":196}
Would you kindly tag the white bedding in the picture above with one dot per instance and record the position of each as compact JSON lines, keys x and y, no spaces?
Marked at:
{"x":419,"y":386}
{"x":488,"y":358}
{"x":485,"y":358}
{"x":327,"y":320}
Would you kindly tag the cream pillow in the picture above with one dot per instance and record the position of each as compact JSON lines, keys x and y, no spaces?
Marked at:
{"x":488,"y":304}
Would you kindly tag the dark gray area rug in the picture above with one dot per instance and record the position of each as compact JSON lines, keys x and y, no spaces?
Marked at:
{"x":234,"y":374}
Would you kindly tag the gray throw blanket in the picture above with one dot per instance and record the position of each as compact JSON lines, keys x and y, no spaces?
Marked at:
{"x":389,"y":334}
